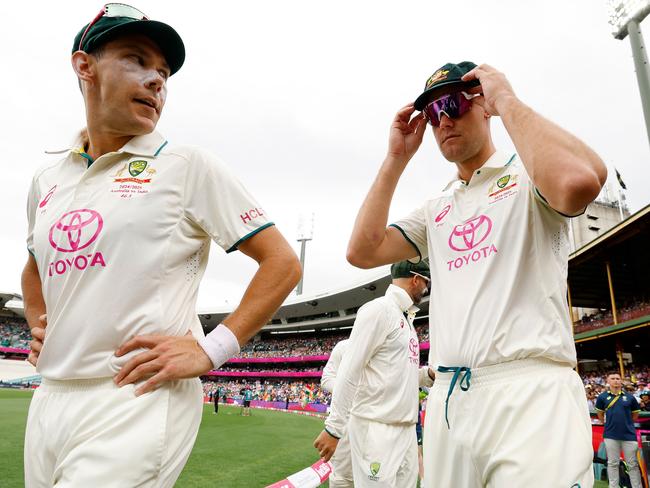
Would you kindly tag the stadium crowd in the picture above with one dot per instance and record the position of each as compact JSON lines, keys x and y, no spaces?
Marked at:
{"x":604,"y":318}
{"x":270,"y":390}
{"x":14,"y":333}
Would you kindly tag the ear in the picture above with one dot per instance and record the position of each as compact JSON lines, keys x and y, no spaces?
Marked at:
{"x":83,"y":65}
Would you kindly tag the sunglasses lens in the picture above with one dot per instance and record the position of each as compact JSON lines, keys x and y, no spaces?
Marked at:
{"x":452,"y":105}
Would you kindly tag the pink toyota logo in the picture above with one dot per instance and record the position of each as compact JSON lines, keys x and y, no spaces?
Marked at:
{"x":470,"y":234}
{"x":76,"y":230}
{"x":414,"y":346}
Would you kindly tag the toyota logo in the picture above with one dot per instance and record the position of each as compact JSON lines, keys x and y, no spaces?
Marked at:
{"x":470,"y":234}
{"x":76,"y":230}
{"x":413,"y":346}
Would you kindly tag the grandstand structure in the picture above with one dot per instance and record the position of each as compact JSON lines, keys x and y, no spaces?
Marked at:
{"x":609,"y":298}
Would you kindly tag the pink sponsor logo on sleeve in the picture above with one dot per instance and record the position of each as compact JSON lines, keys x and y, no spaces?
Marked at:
{"x":251,"y":215}
{"x":468,"y":236}
{"x":71,"y":233}
{"x":47,"y":197}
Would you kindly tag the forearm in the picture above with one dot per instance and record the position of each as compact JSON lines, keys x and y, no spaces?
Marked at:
{"x":33,"y":302}
{"x":342,"y":398}
{"x":601,"y":416}
{"x":563,"y":168}
{"x":369,"y":230}
{"x":272,"y":283}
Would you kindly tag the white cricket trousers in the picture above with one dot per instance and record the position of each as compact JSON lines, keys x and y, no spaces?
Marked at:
{"x":341,"y":476}
{"x":522,"y":423}
{"x":613,"y":448}
{"x":83,"y":433}
{"x":383,"y":455}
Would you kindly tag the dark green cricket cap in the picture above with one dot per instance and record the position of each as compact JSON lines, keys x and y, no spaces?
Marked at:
{"x":109,"y":28}
{"x":406,"y":269}
{"x":443,"y":79}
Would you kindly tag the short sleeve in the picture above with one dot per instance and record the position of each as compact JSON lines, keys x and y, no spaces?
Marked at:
{"x":634,"y":404}
{"x":32,"y":204}
{"x":600,"y":403}
{"x":217,"y":202}
{"x":414,"y":229}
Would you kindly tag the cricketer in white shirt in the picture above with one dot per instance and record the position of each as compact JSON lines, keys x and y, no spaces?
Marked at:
{"x":375,"y":399}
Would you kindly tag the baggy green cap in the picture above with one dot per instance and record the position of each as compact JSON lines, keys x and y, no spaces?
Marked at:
{"x":443,"y":78}
{"x":109,"y":28}
{"x":406,"y":269}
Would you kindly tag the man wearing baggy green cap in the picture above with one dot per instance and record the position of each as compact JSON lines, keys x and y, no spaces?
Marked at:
{"x":375,"y":397}
{"x":119,"y":235}
{"x":497,"y":241}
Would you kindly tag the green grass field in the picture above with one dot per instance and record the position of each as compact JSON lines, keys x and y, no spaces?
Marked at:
{"x":230,"y":451}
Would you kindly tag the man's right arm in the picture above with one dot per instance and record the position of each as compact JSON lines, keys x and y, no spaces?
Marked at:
{"x":372,"y":244}
{"x":34,"y":306}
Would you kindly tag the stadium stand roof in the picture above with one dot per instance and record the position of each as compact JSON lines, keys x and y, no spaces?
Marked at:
{"x":626,"y":247}
{"x":11,"y":305}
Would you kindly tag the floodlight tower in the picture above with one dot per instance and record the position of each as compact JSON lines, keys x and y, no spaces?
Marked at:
{"x":305,"y":233}
{"x":625,"y":16}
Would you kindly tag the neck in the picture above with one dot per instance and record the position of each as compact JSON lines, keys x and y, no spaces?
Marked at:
{"x":467,"y":167}
{"x":616,"y":391}
{"x":102,"y":141}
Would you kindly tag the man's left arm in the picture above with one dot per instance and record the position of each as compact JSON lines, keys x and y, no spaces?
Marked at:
{"x":426,"y":377}
{"x":568,"y":174}
{"x":170,"y":357}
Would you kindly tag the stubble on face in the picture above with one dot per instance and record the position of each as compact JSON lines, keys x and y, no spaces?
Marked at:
{"x":131,"y":85}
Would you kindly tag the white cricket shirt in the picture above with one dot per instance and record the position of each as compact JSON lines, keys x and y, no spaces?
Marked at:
{"x":378,"y":377}
{"x":498,"y":257}
{"x":331,"y":369}
{"x":121,"y":246}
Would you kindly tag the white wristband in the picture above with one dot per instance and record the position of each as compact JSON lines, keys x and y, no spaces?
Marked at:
{"x":220,"y":345}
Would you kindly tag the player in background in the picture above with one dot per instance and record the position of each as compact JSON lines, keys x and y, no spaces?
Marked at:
{"x":119,"y":233}
{"x":375,"y":398}
{"x":341,"y":476}
{"x":497,"y":242}
{"x":247,"y":396}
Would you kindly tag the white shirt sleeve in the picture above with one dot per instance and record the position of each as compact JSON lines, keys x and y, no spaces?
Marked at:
{"x":219,"y":204}
{"x":414,"y":229}
{"x":331,"y":368}
{"x":368,"y":334}
{"x":32,"y":205}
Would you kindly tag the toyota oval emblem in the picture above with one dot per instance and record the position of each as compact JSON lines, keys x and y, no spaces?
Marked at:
{"x":76,"y":230}
{"x":468,"y":235}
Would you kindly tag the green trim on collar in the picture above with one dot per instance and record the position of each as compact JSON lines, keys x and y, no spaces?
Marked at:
{"x":409,"y":240}
{"x":248,"y":236}
{"x":160,"y":149}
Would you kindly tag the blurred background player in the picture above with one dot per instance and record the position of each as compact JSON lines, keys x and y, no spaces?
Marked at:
{"x":247,"y":396}
{"x":119,"y":231}
{"x":375,"y":398}
{"x":497,"y":242}
{"x":618,"y":410}
{"x":341,"y":476}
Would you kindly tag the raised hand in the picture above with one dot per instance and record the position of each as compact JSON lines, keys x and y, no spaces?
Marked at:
{"x":406,"y":134}
{"x":495,"y":87}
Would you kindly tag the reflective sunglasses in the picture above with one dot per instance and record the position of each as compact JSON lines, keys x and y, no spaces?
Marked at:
{"x":114,"y":10}
{"x":453,"y":105}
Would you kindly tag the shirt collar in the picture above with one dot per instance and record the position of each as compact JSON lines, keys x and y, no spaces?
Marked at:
{"x":147,"y":145}
{"x":401,"y":299}
{"x":498,"y":160}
